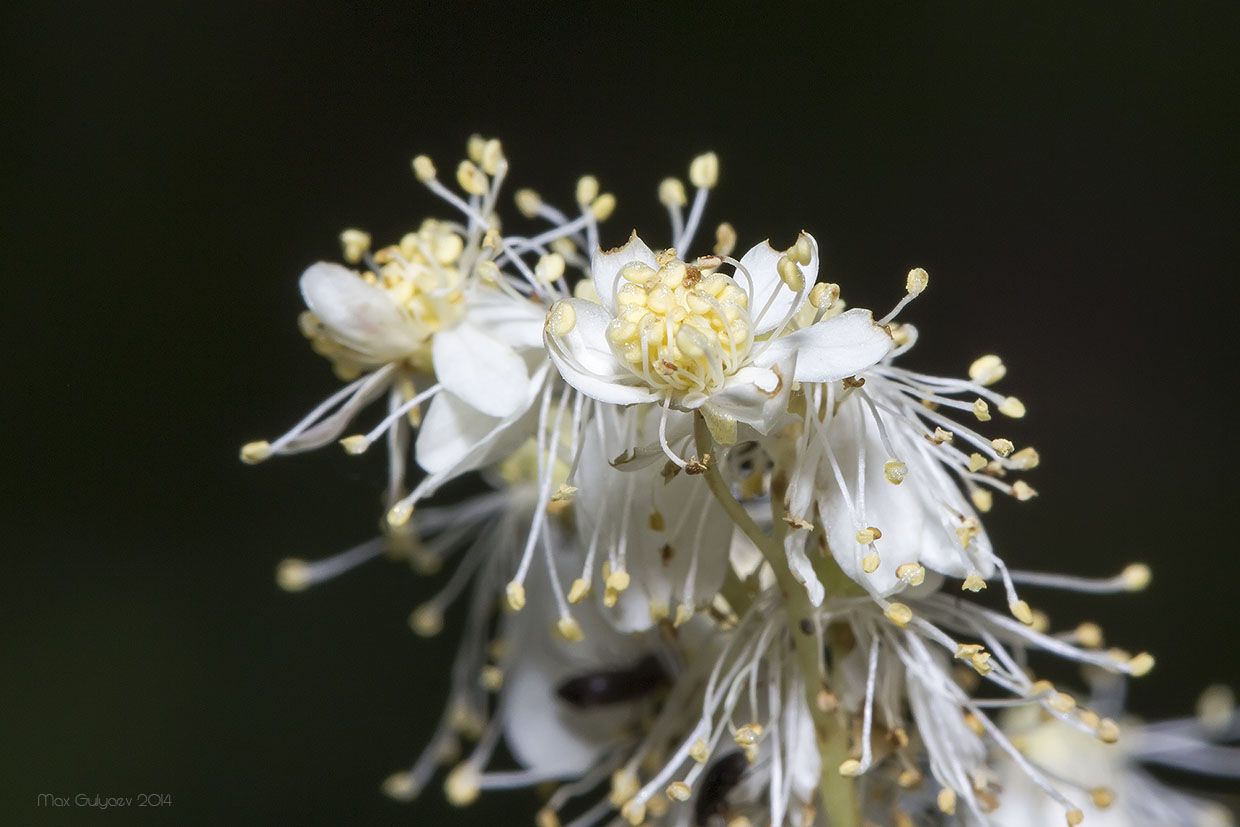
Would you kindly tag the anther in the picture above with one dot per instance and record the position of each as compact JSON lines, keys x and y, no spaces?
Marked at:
{"x":1108,"y":731}
{"x":1102,"y":797}
{"x":870,"y":563}
{"x":253,"y":453}
{"x":672,"y":193}
{"x":683,"y":613}
{"x":587,"y":189}
{"x":981,"y":410}
{"x":917,"y":281}
{"x":679,"y":791}
{"x":618,"y":580}
{"x":293,"y":575}
{"x":899,"y":614}
{"x":474,"y":146}
{"x":603,"y":206}
{"x":570,"y":629}
{"x":1003,"y":447}
{"x":1074,"y":817}
{"x":1012,"y":407}
{"x":704,"y":171}
{"x":983,"y":499}
{"x":515,"y":592}
{"x":562,"y":319}
{"x":725,"y":239}
{"x":850,"y":768}
{"x":699,"y":751}
{"x":528,"y":202}
{"x":868,"y":535}
{"x":1135,"y":577}
{"x":634,"y":811}
{"x":355,"y":444}
{"x":976,"y":462}
{"x":462,"y":785}
{"x":946,"y":800}
{"x":895,"y":471}
{"x":399,"y":514}
{"x":423,"y":169}
{"x":546,"y":817}
{"x":790,"y":274}
{"x":426,"y":620}
{"x":1021,"y":611}
{"x":1022,"y":491}
{"x":492,"y":156}
{"x":823,"y":295}
{"x":987,"y":370}
{"x":355,"y":244}
{"x":1141,"y":664}
{"x":550,"y":268}
{"x":1025,"y":458}
{"x":912,"y":573}
{"x":471,"y":179}
{"x":400,"y":786}
{"x":973,"y":582}
{"x":578,"y":591}
{"x":492,"y":678}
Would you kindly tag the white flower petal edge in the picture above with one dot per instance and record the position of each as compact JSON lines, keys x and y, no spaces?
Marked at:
{"x":585,"y":361}
{"x":762,"y":264}
{"x":605,"y":267}
{"x":360,"y":315}
{"x":484,"y":372}
{"x":833,"y":349}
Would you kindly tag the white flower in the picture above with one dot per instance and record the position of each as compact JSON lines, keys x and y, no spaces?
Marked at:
{"x":687,"y":336}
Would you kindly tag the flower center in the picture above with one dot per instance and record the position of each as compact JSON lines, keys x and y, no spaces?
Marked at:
{"x":680,"y":328}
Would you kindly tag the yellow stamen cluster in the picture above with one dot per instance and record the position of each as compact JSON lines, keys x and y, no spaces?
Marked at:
{"x":680,"y":328}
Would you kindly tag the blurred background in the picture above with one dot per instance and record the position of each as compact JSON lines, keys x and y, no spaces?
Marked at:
{"x":1068,"y":177}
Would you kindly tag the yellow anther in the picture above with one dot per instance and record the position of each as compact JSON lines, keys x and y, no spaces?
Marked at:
{"x":973,"y":582}
{"x":618,"y":580}
{"x":1041,"y":623}
{"x":981,"y":663}
{"x":492,"y":678}
{"x":946,"y":800}
{"x":570,"y":629}
{"x":1061,"y":702}
{"x":987,"y":370}
{"x":253,"y":453}
{"x":587,"y":189}
{"x":976,"y":462}
{"x":1012,"y":407}
{"x":1022,"y":491}
{"x":870,"y":563}
{"x":488,"y":271}
{"x":355,"y":244}
{"x":868,"y":535}
{"x":895,"y":471}
{"x":400,"y":786}
{"x":1136,"y":577}
{"x":610,"y":597}
{"x":850,"y":768}
{"x":423,"y":169}
{"x":1003,"y":447}
{"x":704,"y":171}
{"x":1074,"y":817}
{"x":974,"y":724}
{"x":603,"y":206}
{"x":941,"y":436}
{"x":1089,"y":635}
{"x":1102,"y":797}
{"x":747,"y":736}
{"x":293,"y":575}
{"x":981,"y":410}
{"x":515,"y":593}
{"x":917,"y":281}
{"x":634,"y":811}
{"x":964,"y":651}
{"x":578,"y":591}
{"x":1021,"y":611}
{"x":968,"y":529}
{"x":474,"y":146}
{"x":909,"y":779}
{"x":899,"y":614}
{"x":546,"y":817}
{"x":1141,"y":664}
{"x":561,"y":319}
{"x":426,"y":620}
{"x":399,"y":514}
{"x":492,"y":156}
{"x":462,"y":785}
{"x":803,"y":251}
{"x":790,"y":274}
{"x":1216,"y":707}
{"x":683,"y":613}
{"x":472,"y":180}
{"x":679,"y":791}
{"x":550,"y":268}
{"x":528,"y":202}
{"x":699,"y":751}
{"x":823,"y":295}
{"x":983,"y":499}
{"x":912,"y":573}
{"x":672,"y":193}
{"x":624,"y":786}
{"x":725,"y":240}
{"x":1025,"y":458}
{"x":355,"y":444}
{"x":658,"y":609}
{"x":1108,"y":731}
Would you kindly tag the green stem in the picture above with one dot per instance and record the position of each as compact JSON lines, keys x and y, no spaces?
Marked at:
{"x":839,"y":796}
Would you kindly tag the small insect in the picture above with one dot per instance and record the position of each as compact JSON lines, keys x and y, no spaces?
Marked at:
{"x":719,"y":780}
{"x":614,"y":686}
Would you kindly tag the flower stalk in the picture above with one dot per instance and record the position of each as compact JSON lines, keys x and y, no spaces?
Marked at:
{"x":838,"y":793}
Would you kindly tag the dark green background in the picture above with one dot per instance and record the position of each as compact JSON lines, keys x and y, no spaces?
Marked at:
{"x":1067,"y":177}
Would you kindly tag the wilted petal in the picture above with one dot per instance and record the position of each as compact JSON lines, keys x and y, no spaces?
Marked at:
{"x":360,"y":316}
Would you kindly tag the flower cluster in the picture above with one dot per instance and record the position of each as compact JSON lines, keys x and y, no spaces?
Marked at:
{"x":725,"y":562}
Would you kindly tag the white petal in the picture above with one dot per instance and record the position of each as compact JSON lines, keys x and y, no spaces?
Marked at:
{"x":359,"y":315}
{"x":586,"y":362}
{"x":605,"y":267}
{"x":833,"y":349}
{"x":755,"y":396}
{"x":515,"y":321}
{"x":484,"y":372}
{"x":762,"y":263}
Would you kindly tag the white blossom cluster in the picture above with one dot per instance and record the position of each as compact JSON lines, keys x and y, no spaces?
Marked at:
{"x":727,"y":563}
